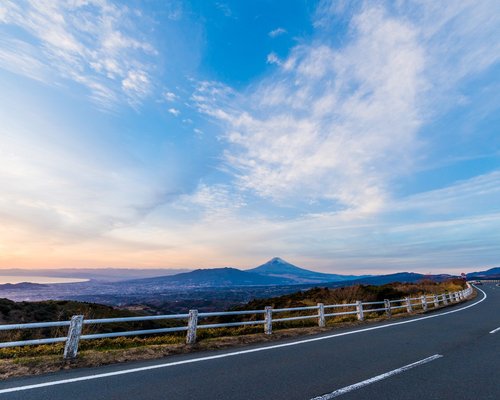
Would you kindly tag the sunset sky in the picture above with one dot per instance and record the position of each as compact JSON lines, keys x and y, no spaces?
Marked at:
{"x":347,"y":137}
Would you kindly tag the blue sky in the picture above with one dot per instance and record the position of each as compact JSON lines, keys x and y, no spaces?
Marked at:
{"x":348,"y":137}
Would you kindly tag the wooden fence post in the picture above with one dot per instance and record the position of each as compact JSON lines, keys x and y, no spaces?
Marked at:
{"x":423,"y":299}
{"x":321,"y":315}
{"x":436,"y":301}
{"x":388,"y":310}
{"x":445,"y":300}
{"x":409,"y":307}
{"x":74,"y":333}
{"x":192,"y":326}
{"x":359,"y":309}
{"x":268,"y":320}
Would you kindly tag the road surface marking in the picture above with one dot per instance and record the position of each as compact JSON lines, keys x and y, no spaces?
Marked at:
{"x":495,"y":330}
{"x":231,"y":354}
{"x":377,"y":378}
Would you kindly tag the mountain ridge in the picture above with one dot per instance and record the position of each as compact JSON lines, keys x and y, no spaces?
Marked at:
{"x":492,"y":273}
{"x":214,"y":277}
{"x":277,"y":267}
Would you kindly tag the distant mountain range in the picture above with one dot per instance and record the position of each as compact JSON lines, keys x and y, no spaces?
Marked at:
{"x":407,"y":277}
{"x":273,"y":273}
{"x":492,"y":273}
{"x":208,"y":286}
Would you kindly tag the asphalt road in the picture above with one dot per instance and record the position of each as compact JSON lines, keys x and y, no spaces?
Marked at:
{"x":449,"y":354}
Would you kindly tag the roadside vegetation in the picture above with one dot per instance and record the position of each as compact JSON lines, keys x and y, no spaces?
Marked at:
{"x":43,"y":358}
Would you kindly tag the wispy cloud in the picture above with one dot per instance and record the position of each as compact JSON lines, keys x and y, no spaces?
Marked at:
{"x":136,"y":85}
{"x":277,"y":32}
{"x":272,"y":58}
{"x":91,"y":43}
{"x":174,"y":111}
{"x":170,"y":96}
{"x":333,"y":123}
{"x":342,"y":123}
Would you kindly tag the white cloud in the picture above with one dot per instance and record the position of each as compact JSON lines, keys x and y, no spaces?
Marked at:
{"x":19,"y":57}
{"x":333,"y":124}
{"x":170,"y":96}
{"x":92,"y":43}
{"x":277,"y":32}
{"x":136,"y":84}
{"x":174,"y":111}
{"x":272,"y":58}
{"x":215,"y":201}
{"x":341,"y":123}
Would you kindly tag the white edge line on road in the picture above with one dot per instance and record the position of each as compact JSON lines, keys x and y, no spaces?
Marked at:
{"x":495,"y":330}
{"x":377,"y":378}
{"x":231,"y":354}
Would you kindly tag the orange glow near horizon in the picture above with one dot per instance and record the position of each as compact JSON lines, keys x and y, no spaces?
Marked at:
{"x":95,"y":255}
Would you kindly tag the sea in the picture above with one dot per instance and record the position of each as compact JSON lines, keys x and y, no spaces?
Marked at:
{"x":37,"y":279}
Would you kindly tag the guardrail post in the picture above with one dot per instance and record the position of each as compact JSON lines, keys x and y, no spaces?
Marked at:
{"x":192,"y":326}
{"x":74,"y":332}
{"x":409,"y":308}
{"x":423,"y":299}
{"x":321,"y":315}
{"x":445,"y":300}
{"x":388,"y":310}
{"x":436,"y":301}
{"x":268,"y":320}
{"x":359,"y":309}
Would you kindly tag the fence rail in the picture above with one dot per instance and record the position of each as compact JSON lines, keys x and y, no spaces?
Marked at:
{"x":193,"y":319}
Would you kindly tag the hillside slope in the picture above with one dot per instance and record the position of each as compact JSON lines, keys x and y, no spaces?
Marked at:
{"x":216,"y":277}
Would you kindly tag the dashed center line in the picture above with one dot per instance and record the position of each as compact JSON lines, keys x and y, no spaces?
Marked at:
{"x":377,"y":378}
{"x":495,"y":330}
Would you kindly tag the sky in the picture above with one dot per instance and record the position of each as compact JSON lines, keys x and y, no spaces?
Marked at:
{"x":343,"y":136}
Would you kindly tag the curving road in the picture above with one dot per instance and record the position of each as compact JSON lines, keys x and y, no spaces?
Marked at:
{"x":449,"y":354}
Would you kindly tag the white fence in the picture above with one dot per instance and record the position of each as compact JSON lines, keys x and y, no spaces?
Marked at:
{"x":320,"y":312}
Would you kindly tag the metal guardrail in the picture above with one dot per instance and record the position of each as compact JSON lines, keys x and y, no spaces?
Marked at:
{"x":359,"y":308}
